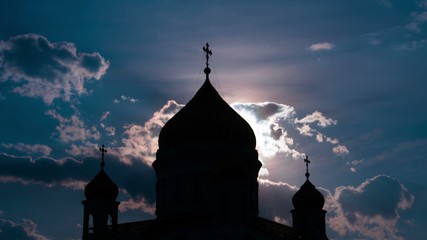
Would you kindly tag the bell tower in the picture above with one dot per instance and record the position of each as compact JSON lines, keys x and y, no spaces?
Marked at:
{"x":100,"y":205}
{"x":308,"y":215}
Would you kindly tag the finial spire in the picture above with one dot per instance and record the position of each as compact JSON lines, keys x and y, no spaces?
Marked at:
{"x":208,"y":53}
{"x":103,"y":151}
{"x":307,"y":162}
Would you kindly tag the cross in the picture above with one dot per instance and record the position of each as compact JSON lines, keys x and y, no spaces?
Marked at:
{"x":103,"y":151}
{"x":307,"y":161}
{"x":208,"y":53}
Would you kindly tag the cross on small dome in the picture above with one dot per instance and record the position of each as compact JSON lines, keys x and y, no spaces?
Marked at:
{"x":208,"y":53}
{"x":103,"y":151}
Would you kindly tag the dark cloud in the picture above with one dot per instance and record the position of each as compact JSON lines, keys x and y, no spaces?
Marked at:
{"x":49,"y":70}
{"x":371,"y":209}
{"x":263,"y":111}
{"x":369,"y":199}
{"x":92,"y":62}
{"x":136,"y":180}
{"x":27,"y":230}
{"x":275,"y":200}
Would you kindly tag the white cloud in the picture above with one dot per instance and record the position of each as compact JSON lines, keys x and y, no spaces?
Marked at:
{"x":138,"y":204}
{"x":267,"y":182}
{"x":307,"y":127}
{"x":40,"y":68}
{"x":318,"y":117}
{"x":124,"y":98}
{"x":66,"y":183}
{"x":105,"y":116}
{"x":340,"y":150}
{"x":305,"y":130}
{"x":73,"y":128}
{"x":356,"y":162}
{"x":141,"y":142}
{"x":270,"y":122}
{"x":319,"y":137}
{"x":23,"y":181}
{"x":332,"y":140}
{"x":321,"y":46}
{"x":29,"y":149}
{"x":87,"y":149}
{"x":110,"y":131}
{"x":353,"y":164}
{"x":263,"y":172}
{"x":73,"y":184}
{"x":281,"y":220}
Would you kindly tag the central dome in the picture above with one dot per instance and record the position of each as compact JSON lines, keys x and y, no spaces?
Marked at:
{"x":207,"y":118}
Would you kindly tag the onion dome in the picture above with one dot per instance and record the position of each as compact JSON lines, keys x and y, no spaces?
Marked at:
{"x":308,"y":197}
{"x":101,"y":188}
{"x":207,"y":118}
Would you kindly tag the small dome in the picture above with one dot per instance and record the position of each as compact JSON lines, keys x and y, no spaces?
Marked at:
{"x":308,"y":197}
{"x":207,"y":118}
{"x":101,"y":188}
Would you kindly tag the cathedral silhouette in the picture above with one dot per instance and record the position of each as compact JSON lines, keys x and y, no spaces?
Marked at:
{"x":207,"y":189}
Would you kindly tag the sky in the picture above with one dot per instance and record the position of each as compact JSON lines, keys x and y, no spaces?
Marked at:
{"x":343,"y":82}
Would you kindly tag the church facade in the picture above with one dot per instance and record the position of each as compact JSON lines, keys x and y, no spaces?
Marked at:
{"x":206,"y":168}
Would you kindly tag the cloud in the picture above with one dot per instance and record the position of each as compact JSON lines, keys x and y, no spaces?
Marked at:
{"x":306,"y":127}
{"x":44,"y":171}
{"x":109,"y":130}
{"x":274,"y":125}
{"x":124,"y":98}
{"x":321,"y":46}
{"x":412,"y":45}
{"x":340,"y":150}
{"x":26,"y":230}
{"x":67,"y":183}
{"x":354,"y":163}
{"x":371,"y":209}
{"x":418,"y":17}
{"x":319,"y":137}
{"x":48,"y":70}
{"x":317,"y":117}
{"x":271,"y":123}
{"x":29,"y":149}
{"x":137,"y":204}
{"x":105,"y":116}
{"x":305,"y":130}
{"x":141,"y":142}
{"x":275,"y":200}
{"x":86,"y":149}
{"x":71,"y":174}
{"x":73,"y":128}
{"x":332,"y":140}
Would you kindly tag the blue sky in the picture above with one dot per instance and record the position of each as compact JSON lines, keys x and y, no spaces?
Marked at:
{"x":341,"y":81}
